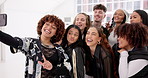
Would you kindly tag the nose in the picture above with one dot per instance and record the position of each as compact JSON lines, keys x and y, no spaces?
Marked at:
{"x":49,"y":27}
{"x":88,"y":35}
{"x":78,"y":21}
{"x":118,"y":38}
{"x":131,"y":20}
{"x":72,"y":36}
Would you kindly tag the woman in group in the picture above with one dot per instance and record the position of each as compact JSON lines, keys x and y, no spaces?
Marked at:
{"x":120,"y":17}
{"x":139,"y":16}
{"x":44,"y":58}
{"x":133,"y":39}
{"x":71,"y":43}
{"x":99,"y":60}
{"x":82,"y":20}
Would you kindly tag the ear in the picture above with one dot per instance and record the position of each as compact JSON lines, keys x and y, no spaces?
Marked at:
{"x":104,"y":15}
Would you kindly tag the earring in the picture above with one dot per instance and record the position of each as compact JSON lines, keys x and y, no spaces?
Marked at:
{"x":99,"y":42}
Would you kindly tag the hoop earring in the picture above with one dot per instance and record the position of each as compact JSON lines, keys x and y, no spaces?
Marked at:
{"x":99,"y":42}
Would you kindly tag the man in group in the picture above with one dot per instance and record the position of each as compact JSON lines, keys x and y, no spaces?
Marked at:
{"x":99,"y":15}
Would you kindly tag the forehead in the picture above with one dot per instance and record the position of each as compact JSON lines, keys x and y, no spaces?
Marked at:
{"x":73,"y":30}
{"x":80,"y":16}
{"x":92,"y":29}
{"x":135,"y":13}
{"x":119,"y":11}
{"x":51,"y":23}
{"x":98,"y":10}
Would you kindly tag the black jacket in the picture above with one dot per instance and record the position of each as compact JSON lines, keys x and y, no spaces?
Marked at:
{"x":139,"y":53}
{"x":101,"y":64}
{"x":79,"y":60}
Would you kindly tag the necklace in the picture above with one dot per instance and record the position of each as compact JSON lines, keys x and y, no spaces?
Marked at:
{"x":47,"y":46}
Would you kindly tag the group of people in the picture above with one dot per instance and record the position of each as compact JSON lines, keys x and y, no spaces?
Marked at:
{"x":87,"y":49}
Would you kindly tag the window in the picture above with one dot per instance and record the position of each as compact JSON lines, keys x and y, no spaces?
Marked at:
{"x":85,"y":2}
{"x":109,"y":17}
{"x":89,"y":8}
{"x":129,"y":6}
{"x":89,"y":1}
{"x":95,"y":1}
{"x":67,"y":19}
{"x":109,"y":6}
{"x":136,"y":5}
{"x":145,"y":4}
{"x":78,"y":1}
{"x":78,"y":9}
{"x":101,"y":0}
{"x":85,"y":7}
{"x":91,"y":17}
{"x":116,"y":6}
{"x":108,"y":0}
{"x":123,"y":5}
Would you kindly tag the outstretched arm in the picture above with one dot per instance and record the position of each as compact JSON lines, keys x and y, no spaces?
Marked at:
{"x":8,"y":40}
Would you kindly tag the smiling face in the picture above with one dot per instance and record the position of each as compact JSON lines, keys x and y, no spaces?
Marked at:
{"x":99,"y":15}
{"x":119,"y":16}
{"x":72,"y":36}
{"x":92,"y":37}
{"x":80,"y":21}
{"x":135,"y":18}
{"x":48,"y":30}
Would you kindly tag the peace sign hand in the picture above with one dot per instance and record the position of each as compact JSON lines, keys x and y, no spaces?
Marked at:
{"x":46,"y":64}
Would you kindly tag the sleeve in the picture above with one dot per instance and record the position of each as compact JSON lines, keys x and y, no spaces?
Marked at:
{"x":140,"y":64}
{"x":64,"y":57}
{"x":123,"y":64}
{"x":108,"y":65}
{"x":64,"y":67}
{"x":26,"y":45}
{"x":9,"y":40}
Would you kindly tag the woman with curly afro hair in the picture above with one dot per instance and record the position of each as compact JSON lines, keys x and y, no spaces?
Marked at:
{"x":44,"y":58}
{"x":133,"y":41}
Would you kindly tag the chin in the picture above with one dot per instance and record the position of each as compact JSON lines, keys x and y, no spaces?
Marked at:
{"x":120,"y":46}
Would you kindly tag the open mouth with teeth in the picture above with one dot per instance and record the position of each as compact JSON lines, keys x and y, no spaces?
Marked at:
{"x":79,"y":26}
{"x":89,"y":40}
{"x":47,"y":31}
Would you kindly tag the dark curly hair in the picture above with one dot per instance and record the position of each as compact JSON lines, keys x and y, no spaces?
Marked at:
{"x":136,"y":34}
{"x":58,"y":23}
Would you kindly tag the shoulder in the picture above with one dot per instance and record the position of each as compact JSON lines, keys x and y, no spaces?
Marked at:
{"x":78,"y":48}
{"x":138,"y":53}
{"x":142,"y":73}
{"x":59,"y":47}
{"x":105,"y":52}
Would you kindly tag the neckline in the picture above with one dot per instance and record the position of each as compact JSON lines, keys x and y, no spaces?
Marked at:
{"x":47,"y":46}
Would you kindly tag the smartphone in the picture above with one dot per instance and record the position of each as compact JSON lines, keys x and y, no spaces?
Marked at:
{"x":3,"y":19}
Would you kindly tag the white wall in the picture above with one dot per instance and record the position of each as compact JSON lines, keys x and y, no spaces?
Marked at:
{"x":23,"y":16}
{"x":65,"y":9}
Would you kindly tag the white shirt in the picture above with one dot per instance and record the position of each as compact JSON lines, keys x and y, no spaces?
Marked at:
{"x":129,"y":69}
